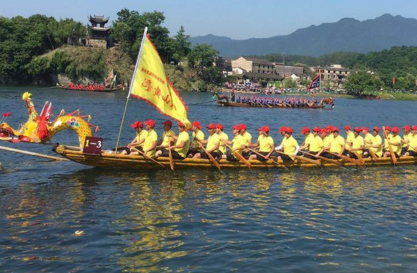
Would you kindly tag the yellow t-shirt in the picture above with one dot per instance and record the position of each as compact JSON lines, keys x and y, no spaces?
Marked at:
{"x":407,"y":137}
{"x":212,"y":141}
{"x":413,"y":143}
{"x":165,"y":137}
{"x":336,"y":145}
{"x":349,"y":137}
{"x":247,"y":138}
{"x":396,"y":139}
{"x":140,"y":136}
{"x":266,"y":143}
{"x":386,"y":142}
{"x":152,"y":136}
{"x":316,"y":144}
{"x":357,"y":143}
{"x":237,"y":143}
{"x":377,"y":140}
{"x":183,"y":136}
{"x":225,"y":137}
{"x":290,"y":145}
{"x":369,"y":138}
{"x":327,"y":140}
{"x":308,"y":139}
{"x":199,"y":136}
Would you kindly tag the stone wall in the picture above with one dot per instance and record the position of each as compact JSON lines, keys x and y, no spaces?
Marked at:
{"x":97,"y":43}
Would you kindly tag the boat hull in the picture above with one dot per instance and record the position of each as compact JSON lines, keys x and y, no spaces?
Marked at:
{"x":109,"y":160}
{"x":236,"y":104}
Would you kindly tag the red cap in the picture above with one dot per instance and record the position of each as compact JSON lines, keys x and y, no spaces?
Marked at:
{"x":264,"y":128}
{"x":243,"y":127}
{"x":406,"y":128}
{"x":323,"y":131}
{"x":288,"y":130}
{"x":316,"y":129}
{"x":414,"y":128}
{"x":357,"y":129}
{"x":236,"y":127}
{"x":168,"y":122}
{"x":196,"y":124}
{"x":365,"y":129}
{"x":305,"y":130}
{"x":220,"y":126}
{"x":347,"y":128}
{"x":335,"y":129}
{"x":211,"y":126}
{"x":282,"y":129}
{"x":330,"y":127}
{"x":396,"y":130}
{"x":376,"y":128}
{"x":388,"y":128}
{"x":180,"y":124}
{"x":137,"y":124}
{"x":150,"y":123}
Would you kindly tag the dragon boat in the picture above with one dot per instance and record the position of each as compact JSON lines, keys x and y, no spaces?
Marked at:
{"x":104,"y":90}
{"x":137,"y":162}
{"x":327,"y":103}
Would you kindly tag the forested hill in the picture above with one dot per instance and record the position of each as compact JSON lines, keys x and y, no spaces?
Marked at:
{"x":346,"y":35}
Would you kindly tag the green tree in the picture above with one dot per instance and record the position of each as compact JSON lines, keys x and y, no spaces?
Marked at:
{"x":182,"y":45}
{"x":129,"y":27}
{"x":362,"y":83}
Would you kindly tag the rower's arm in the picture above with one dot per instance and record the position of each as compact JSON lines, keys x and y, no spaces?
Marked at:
{"x":181,"y":145}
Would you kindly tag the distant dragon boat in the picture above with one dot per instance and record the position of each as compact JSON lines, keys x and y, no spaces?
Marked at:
{"x":224,"y":100}
{"x":100,"y":89}
{"x":137,"y":162}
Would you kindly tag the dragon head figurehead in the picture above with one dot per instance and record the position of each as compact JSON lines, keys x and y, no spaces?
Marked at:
{"x":39,"y":128}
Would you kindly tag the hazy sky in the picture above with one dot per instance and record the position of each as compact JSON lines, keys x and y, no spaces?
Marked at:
{"x":238,"y":19}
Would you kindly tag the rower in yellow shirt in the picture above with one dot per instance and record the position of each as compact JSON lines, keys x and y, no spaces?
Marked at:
{"x":223,"y":137}
{"x":265,"y":144}
{"x":412,"y":144}
{"x":138,"y":141}
{"x":336,"y":145}
{"x":395,"y":142}
{"x":289,"y":146}
{"x":180,"y":148}
{"x":314,"y":144}
{"x":166,"y":140}
{"x":237,"y":144}
{"x":247,"y":140}
{"x":406,"y":139}
{"x":376,"y":143}
{"x":349,"y":136}
{"x":149,"y":146}
{"x":388,"y":137}
{"x":197,"y":137}
{"x":358,"y":144}
{"x":213,"y":144}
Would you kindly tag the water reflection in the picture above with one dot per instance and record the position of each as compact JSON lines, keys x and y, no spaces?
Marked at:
{"x":158,"y":221}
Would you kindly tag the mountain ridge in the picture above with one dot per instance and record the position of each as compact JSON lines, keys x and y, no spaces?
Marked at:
{"x":345,"y":35}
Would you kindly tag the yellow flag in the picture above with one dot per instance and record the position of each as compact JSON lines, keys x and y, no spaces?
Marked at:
{"x":152,"y":85}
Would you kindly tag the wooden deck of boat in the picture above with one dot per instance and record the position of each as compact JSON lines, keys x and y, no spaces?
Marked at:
{"x":138,"y":162}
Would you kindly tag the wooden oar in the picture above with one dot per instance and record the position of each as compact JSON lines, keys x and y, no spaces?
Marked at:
{"x":301,"y":158}
{"x":325,"y":159}
{"x":255,"y":152}
{"x":149,"y":158}
{"x":238,"y":155}
{"x":372,"y":154}
{"x":32,"y":153}
{"x":358,"y":163}
{"x":171,"y":161}
{"x":211,"y":158}
{"x":391,"y":151}
{"x":359,"y":157}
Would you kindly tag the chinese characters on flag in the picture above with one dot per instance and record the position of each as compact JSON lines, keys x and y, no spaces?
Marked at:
{"x":152,"y":85}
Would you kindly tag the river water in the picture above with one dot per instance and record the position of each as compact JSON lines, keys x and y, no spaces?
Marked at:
{"x":298,"y":220}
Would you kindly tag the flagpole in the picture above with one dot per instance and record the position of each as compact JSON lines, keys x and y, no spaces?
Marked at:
{"x":131,"y":86}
